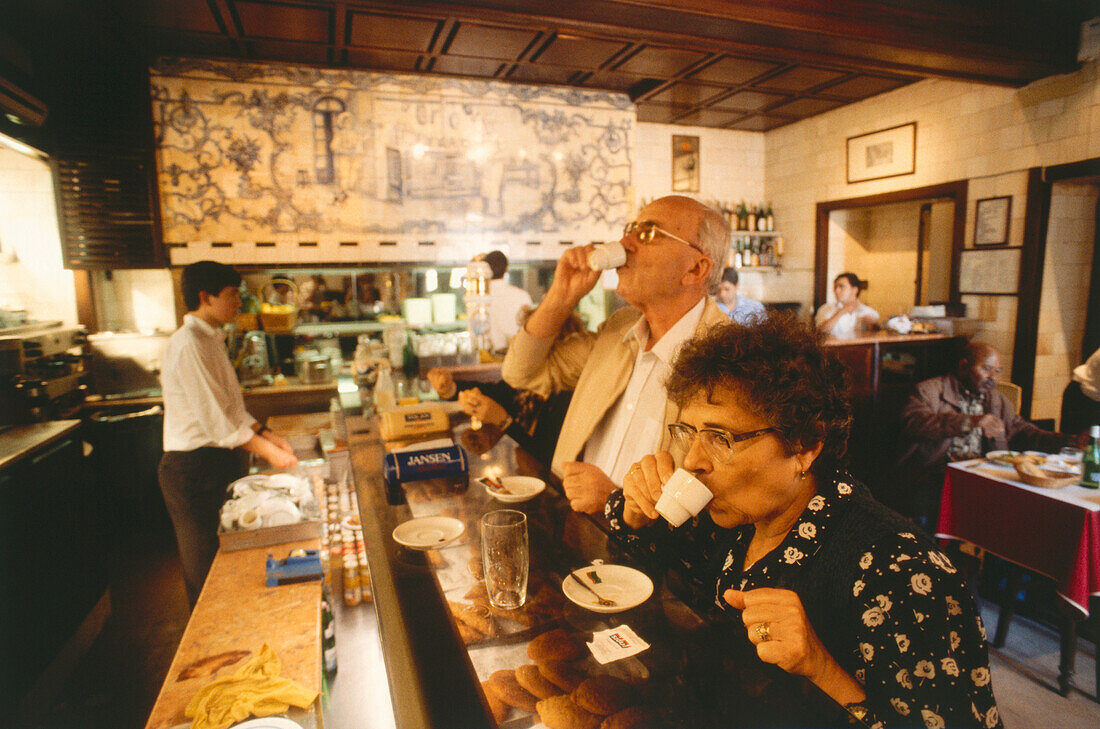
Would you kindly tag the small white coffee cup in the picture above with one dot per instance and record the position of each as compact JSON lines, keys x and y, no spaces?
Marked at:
{"x":607,"y":255}
{"x":682,"y":497}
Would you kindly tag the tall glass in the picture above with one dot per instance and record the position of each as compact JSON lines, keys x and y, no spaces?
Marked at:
{"x":504,"y":555}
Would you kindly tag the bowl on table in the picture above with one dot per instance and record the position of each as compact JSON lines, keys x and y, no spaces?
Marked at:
{"x":1047,"y":478}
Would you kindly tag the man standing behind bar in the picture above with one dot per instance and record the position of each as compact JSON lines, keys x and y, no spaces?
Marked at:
{"x":204,"y":419}
{"x":619,"y":411}
{"x":953,"y":418}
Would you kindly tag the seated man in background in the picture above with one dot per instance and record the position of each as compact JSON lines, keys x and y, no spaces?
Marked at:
{"x":740,"y":309}
{"x":619,"y":408}
{"x":953,"y":418}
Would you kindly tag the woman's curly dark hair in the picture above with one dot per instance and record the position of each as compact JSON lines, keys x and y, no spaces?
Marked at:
{"x":782,"y":374}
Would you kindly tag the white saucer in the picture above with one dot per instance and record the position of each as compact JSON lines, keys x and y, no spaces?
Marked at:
{"x":626,"y":586}
{"x":268,"y":722}
{"x":520,"y":488}
{"x":428,"y":532}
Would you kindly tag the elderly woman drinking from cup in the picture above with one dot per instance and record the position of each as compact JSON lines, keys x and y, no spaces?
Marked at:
{"x":824,"y":581}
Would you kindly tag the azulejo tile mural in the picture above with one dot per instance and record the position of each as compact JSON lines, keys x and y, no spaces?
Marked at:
{"x":260,"y":152}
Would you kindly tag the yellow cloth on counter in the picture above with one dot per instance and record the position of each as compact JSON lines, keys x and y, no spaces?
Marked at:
{"x":256,"y":689}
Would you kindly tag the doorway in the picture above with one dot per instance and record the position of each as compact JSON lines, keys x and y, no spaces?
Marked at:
{"x":905,"y":243}
{"x":903,"y":250}
{"x":1066,"y":319}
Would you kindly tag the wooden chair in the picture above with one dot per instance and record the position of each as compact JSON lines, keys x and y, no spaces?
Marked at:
{"x":1013,"y":392}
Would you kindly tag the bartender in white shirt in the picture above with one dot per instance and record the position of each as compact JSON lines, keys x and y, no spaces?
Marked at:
{"x":505,"y":302}
{"x":205,"y":424}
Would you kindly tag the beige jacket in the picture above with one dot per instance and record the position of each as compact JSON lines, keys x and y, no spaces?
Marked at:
{"x":595,"y":365}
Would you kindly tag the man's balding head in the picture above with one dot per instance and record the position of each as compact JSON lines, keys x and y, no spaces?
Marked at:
{"x":980,"y":366}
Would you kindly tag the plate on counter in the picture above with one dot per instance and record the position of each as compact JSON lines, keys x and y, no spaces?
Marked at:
{"x":626,"y":586}
{"x":428,"y":532}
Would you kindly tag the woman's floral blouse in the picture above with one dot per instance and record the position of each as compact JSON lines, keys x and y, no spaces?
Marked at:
{"x":920,"y":651}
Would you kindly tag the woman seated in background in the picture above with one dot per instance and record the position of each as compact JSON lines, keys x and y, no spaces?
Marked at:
{"x":848,"y":315}
{"x":825,"y":582}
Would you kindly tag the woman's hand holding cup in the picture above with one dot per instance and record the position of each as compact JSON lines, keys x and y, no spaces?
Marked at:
{"x":642,"y":488}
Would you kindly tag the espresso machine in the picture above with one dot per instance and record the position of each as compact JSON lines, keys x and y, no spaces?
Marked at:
{"x":42,"y":372}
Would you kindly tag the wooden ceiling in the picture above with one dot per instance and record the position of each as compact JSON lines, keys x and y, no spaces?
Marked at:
{"x":735,"y":64}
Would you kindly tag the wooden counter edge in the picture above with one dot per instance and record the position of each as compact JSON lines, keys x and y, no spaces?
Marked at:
{"x":24,"y":440}
{"x":237,"y":612}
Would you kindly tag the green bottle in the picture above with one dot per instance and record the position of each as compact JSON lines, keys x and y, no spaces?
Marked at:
{"x":1090,"y":464}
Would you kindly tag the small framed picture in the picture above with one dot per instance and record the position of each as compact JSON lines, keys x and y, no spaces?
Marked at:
{"x":885,"y":153}
{"x":991,"y":220}
{"x":685,"y":163}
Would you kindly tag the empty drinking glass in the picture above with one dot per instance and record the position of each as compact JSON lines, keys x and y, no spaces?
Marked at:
{"x":505,"y":557}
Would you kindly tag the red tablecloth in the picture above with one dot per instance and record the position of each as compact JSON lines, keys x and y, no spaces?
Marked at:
{"x":1052,"y":531}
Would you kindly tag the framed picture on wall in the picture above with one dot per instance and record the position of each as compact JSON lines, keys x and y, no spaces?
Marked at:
{"x":685,"y":163}
{"x":994,"y":273}
{"x":885,"y":153}
{"x":991,"y":218}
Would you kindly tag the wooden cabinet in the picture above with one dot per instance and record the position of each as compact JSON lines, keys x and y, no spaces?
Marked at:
{"x":884,"y":369}
{"x":53,"y":570}
{"x":106,"y":208}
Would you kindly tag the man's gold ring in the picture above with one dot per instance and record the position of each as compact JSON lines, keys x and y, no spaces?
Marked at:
{"x":763,"y":631}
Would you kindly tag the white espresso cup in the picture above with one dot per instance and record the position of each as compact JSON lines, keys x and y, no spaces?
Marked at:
{"x":682,"y":497}
{"x":607,"y":255}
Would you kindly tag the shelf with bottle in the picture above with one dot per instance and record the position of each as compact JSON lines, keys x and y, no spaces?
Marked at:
{"x":755,"y":250}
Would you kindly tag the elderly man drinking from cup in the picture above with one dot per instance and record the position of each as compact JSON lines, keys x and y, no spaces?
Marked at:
{"x":822,"y":580}
{"x":667,"y":260}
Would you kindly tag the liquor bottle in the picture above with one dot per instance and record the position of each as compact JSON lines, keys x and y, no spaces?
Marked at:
{"x":384,"y":396}
{"x":742,"y":216}
{"x":328,"y":633}
{"x":750,"y":219}
{"x":1090,"y":464}
{"x":769,"y":219}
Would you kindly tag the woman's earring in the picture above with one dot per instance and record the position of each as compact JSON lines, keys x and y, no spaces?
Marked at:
{"x":802,"y":476}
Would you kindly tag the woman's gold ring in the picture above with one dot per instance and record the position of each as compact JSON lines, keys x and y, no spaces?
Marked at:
{"x":763,"y":631}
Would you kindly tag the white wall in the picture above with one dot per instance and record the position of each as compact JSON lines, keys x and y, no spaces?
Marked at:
{"x":34,"y":280}
{"x":731,"y":163}
{"x":987,"y":134}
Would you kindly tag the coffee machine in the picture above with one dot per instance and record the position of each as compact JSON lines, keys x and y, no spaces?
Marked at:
{"x":42,"y":372}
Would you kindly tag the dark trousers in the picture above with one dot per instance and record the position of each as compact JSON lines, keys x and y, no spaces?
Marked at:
{"x":194,"y":487}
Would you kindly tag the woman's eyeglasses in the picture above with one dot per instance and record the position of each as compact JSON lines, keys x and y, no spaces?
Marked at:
{"x":718,"y":444}
{"x":647,"y":230}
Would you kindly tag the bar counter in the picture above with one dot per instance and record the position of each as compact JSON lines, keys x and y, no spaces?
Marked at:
{"x":437,"y":667}
{"x":21,"y":441}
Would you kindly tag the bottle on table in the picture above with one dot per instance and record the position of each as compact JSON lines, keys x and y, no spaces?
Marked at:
{"x":1090,"y":463}
{"x":328,"y":633}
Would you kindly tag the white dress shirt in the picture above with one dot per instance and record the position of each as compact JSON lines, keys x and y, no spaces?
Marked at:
{"x":203,"y":404}
{"x":847,"y":324}
{"x":505,"y":302}
{"x":632,"y":427}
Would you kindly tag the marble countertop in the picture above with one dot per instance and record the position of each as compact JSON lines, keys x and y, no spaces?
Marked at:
{"x":22,"y":440}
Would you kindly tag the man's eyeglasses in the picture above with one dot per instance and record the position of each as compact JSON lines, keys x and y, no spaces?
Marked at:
{"x":718,"y":444}
{"x":647,"y":230}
